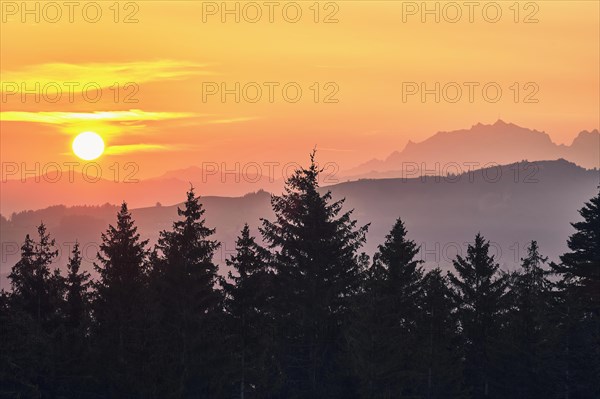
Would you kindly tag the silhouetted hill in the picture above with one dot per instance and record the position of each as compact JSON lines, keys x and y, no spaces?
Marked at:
{"x":537,"y":203}
{"x":510,"y":205}
{"x":17,"y":195}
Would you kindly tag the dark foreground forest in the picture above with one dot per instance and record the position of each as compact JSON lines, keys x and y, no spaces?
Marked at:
{"x":304,"y":315}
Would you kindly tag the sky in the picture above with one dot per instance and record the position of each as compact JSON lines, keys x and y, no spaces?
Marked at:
{"x":173,"y":84}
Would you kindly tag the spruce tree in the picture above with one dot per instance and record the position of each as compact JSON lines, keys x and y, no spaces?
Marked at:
{"x":317,"y":275}
{"x":36,"y":290}
{"x":581,"y":266}
{"x":77,"y":296}
{"x":34,"y":318}
{"x":22,"y":278}
{"x":577,"y":310}
{"x":384,"y":344}
{"x":118,"y":307}
{"x":441,"y":374}
{"x":74,"y":354}
{"x":247,"y":295}
{"x":479,"y":292}
{"x":190,"y":304}
{"x":527,"y":357}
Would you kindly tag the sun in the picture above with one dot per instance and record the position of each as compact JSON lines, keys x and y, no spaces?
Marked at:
{"x":88,"y":146}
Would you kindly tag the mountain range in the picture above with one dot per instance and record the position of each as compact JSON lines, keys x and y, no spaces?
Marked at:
{"x":497,"y":144}
{"x":444,"y":153}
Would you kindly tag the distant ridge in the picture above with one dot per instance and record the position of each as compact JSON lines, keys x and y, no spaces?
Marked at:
{"x":500,"y":143}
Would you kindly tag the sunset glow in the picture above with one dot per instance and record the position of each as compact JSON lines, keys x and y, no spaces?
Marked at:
{"x":360,"y":59}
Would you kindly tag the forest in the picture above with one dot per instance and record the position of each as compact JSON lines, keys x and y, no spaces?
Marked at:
{"x":300,"y":312}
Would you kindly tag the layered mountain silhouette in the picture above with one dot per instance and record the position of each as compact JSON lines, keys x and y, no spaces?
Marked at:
{"x":510,"y":205}
{"x":444,"y":153}
{"x":497,"y":144}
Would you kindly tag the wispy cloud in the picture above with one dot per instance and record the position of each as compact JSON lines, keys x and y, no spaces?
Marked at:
{"x":65,"y":118}
{"x":129,"y":148}
{"x":103,"y":74}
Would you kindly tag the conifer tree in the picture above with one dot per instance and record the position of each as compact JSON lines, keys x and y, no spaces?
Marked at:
{"x":77,"y":296}
{"x":439,"y":341}
{"x":36,"y":290}
{"x":479,"y":291}
{"x":317,"y":274}
{"x":118,"y":307}
{"x":23,"y":276}
{"x":526,"y":359}
{"x":581,"y":266}
{"x":34,"y":317}
{"x":577,"y":310}
{"x":247,"y":296}
{"x":190,"y":305}
{"x":385,"y":341}
{"x":74,"y":354}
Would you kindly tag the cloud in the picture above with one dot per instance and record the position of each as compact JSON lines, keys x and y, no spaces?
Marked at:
{"x":103,"y":74}
{"x":128,"y":148}
{"x":65,"y":118}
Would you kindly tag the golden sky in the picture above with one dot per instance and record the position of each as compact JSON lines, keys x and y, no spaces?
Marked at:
{"x":353,"y":61}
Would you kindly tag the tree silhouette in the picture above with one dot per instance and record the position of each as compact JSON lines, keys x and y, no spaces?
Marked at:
{"x":317,"y":273}
{"x":118,"y":306}
{"x":578,"y":308}
{"x":439,"y":340}
{"x":74,"y":341}
{"x":77,"y":295}
{"x":479,"y":292}
{"x":36,"y":290}
{"x":33,"y":318}
{"x":185,"y":278}
{"x":527,"y":361}
{"x":384,"y":344}
{"x":581,"y":266}
{"x":247,"y":297}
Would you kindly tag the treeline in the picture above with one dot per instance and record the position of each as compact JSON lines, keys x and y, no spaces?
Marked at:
{"x":305,"y":315}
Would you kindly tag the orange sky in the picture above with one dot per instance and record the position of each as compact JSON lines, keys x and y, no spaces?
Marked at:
{"x":367,"y":56}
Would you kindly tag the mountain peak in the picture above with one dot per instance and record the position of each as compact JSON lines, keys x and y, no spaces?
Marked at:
{"x":588,"y":133}
{"x":586,"y":138}
{"x":499,"y":124}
